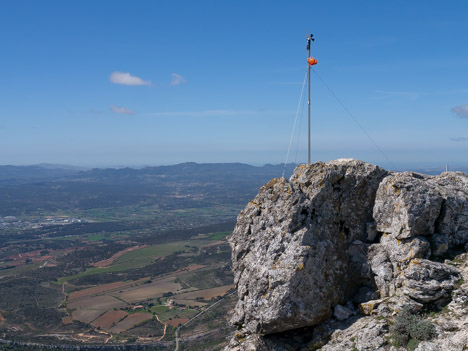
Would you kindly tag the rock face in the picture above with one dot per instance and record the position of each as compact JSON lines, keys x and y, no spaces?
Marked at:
{"x":418,"y":216}
{"x":339,"y":241}
{"x":316,"y":222}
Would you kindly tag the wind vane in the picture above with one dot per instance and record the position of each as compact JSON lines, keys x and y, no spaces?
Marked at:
{"x":311,"y":62}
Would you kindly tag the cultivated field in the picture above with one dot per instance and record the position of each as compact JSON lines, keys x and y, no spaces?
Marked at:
{"x":149,"y":291}
{"x":103,"y":302}
{"x":86,"y":316}
{"x":112,"y":306}
{"x":206,"y":294}
{"x":130,"y":321}
{"x":111,"y":260}
{"x":176,"y":321}
{"x":143,"y":256}
{"x":105,"y":288}
{"x":109,"y":319}
{"x":144,"y":239}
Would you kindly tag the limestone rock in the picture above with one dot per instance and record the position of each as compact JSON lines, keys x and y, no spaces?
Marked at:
{"x":406,"y":206}
{"x":453,"y":219}
{"x":411,"y":204}
{"x":428,"y":281}
{"x":452,"y":320}
{"x":427,"y":346}
{"x":366,"y":334}
{"x":342,"y":236}
{"x":416,"y":213}
{"x":292,"y":248}
{"x":390,"y":257}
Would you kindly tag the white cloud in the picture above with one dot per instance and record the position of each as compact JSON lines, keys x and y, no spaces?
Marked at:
{"x":177,"y":79}
{"x":459,"y":139}
{"x":126,"y":78}
{"x":461,"y":111}
{"x":122,"y":110}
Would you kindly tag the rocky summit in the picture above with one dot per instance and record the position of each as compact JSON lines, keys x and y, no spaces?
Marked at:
{"x":336,"y":258}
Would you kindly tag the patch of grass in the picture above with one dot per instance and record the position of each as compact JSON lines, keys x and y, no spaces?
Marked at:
{"x":219,"y":236}
{"x":159,"y":309}
{"x":97,"y":237}
{"x":140,"y":258}
{"x":165,"y":313}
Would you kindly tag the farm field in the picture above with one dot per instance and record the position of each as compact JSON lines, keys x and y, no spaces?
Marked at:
{"x":107,"y":306}
{"x":206,"y":294}
{"x":88,"y":309}
{"x":108,"y":248}
{"x":143,"y":256}
{"x":109,"y":261}
{"x":103,"y":288}
{"x":141,"y":302}
{"x":103,"y":302}
{"x":125,"y":307}
{"x":108,"y":319}
{"x":152,"y":290}
{"x":176,"y":322}
{"x":85,"y":316}
{"x":130,"y":321}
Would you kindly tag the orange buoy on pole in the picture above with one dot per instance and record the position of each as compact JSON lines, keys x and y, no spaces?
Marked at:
{"x":311,"y":61}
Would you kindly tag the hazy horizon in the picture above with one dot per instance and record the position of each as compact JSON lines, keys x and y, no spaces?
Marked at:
{"x":399,"y":166}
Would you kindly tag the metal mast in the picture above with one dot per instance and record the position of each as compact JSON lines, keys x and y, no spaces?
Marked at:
{"x":309,"y":39}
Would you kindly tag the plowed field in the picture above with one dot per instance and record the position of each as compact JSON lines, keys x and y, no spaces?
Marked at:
{"x":206,"y":294}
{"x":130,"y":321}
{"x":109,"y":318}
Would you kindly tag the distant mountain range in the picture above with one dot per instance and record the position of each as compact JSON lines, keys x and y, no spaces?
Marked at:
{"x":31,"y":189}
{"x":49,"y":172}
{"x":192,"y":170}
{"x":22,"y":174}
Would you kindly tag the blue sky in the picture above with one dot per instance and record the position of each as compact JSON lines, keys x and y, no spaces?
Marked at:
{"x":108,"y":83}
